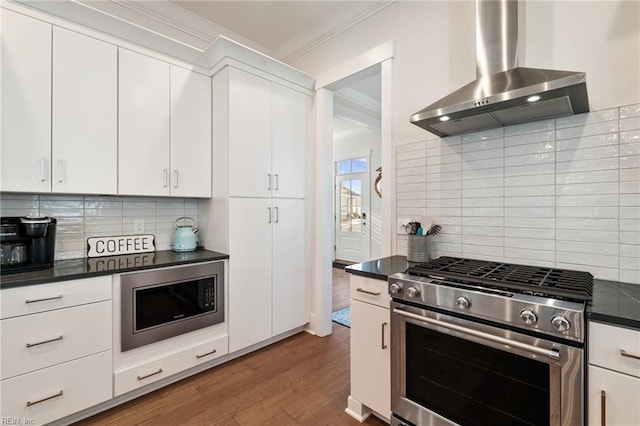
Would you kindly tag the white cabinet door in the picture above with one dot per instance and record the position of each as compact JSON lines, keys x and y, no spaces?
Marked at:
{"x":621,"y":398}
{"x":143,"y":116}
{"x":290,"y":293}
{"x":190,"y":134}
{"x":85,"y":105}
{"x":290,"y":141}
{"x":370,"y":357}
{"x":249,"y":135}
{"x":250,"y":237}
{"x":25,"y":147}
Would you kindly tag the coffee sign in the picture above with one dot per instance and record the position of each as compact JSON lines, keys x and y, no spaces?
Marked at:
{"x":121,"y":244}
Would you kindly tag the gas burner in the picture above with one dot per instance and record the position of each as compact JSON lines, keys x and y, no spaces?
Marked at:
{"x":536,"y":280}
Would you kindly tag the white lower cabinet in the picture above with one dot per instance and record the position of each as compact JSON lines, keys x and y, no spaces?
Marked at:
{"x":370,"y":349}
{"x":55,"y":392}
{"x":616,"y":395}
{"x":614,"y":376}
{"x":131,"y":378}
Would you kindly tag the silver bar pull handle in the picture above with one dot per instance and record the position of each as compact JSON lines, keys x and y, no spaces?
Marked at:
{"x":165,"y":177}
{"x":268,"y":181}
{"x":30,"y":403}
{"x":551,"y":353}
{"x":373,"y":293}
{"x":276,"y":188}
{"x":55,"y":339}
{"x":175,"y":178}
{"x":277,"y":213}
{"x":60,"y":171}
{"x":384,"y":346}
{"x":150,"y":374}
{"x":269,"y":212}
{"x":628,"y":355}
{"x":43,"y":169}
{"x":603,"y":408}
{"x":43,"y":299}
{"x":207,"y":354}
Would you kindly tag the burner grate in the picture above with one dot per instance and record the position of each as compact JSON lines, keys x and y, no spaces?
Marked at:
{"x":552,"y":282}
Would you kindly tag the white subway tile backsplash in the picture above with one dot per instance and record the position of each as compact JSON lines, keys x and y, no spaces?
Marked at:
{"x":587,"y":130}
{"x":587,"y":153}
{"x":608,"y":139}
{"x":416,"y":146}
{"x":587,"y":118}
{"x":410,"y":155}
{"x":402,"y":180}
{"x":563,"y":192}
{"x":535,"y":127}
{"x":627,"y":124}
{"x":413,"y":162}
{"x":82,"y":216}
{"x":630,"y":111}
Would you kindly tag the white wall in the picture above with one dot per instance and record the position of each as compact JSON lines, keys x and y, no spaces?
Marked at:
{"x":368,"y":141}
{"x":435,"y":50}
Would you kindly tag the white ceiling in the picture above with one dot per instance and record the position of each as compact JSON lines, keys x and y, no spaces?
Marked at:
{"x":270,"y":23}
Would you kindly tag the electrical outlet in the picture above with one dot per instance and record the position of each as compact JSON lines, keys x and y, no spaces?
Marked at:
{"x":401,"y":226}
{"x":138,"y":226}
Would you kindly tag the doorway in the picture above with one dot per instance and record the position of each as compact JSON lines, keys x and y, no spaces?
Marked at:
{"x":352,"y":207}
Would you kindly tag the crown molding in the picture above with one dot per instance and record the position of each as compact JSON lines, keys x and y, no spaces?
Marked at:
{"x":346,"y":17}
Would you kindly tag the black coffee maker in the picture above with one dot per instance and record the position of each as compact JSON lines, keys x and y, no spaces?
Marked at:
{"x":27,"y":243}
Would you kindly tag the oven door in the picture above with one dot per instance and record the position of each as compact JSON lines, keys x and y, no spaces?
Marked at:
{"x":448,"y":370}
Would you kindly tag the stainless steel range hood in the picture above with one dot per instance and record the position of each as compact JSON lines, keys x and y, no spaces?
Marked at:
{"x":503,"y":93}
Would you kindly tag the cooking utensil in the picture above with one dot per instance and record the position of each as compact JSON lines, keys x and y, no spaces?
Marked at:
{"x":434,"y":230}
{"x":185,"y":237}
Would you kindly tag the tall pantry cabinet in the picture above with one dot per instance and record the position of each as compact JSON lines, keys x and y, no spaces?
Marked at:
{"x":259,"y":212}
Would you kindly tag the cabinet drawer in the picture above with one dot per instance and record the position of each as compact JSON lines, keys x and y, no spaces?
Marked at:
{"x":41,"y":340}
{"x":370,"y":290}
{"x":606,"y":343}
{"x":55,"y":392}
{"x":46,"y":297}
{"x":132,"y":378}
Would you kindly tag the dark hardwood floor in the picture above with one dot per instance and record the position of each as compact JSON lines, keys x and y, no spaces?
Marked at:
{"x":303,"y":380}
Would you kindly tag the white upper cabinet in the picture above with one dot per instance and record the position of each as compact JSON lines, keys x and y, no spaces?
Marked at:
{"x":289,"y":141}
{"x":144,"y":110}
{"x":85,"y":104}
{"x":25,"y":147}
{"x":249,"y":135}
{"x":190,"y":134}
{"x":268,"y":138}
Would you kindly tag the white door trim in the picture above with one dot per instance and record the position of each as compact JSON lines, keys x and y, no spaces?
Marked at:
{"x":320,"y":323}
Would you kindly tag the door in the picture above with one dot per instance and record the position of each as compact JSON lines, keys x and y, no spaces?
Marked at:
{"x":25,"y":145}
{"x":190,"y":134}
{"x":290,"y":293}
{"x":85,"y":102}
{"x":249,"y":135}
{"x":290,"y":141}
{"x":143,"y":157}
{"x":352,"y":236}
{"x":250,"y":238}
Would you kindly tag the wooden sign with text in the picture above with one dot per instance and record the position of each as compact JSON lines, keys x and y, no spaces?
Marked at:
{"x":121,"y":244}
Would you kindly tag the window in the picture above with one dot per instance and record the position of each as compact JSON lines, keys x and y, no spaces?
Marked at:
{"x":354,"y":165}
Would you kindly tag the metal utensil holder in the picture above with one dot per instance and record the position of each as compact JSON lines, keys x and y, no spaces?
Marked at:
{"x":419,"y":248}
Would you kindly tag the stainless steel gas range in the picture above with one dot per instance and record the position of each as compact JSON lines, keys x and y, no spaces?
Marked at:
{"x":487,"y":343}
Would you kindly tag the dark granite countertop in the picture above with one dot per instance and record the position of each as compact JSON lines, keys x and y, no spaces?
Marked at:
{"x":613,"y":302}
{"x":380,"y":269}
{"x":73,"y":269}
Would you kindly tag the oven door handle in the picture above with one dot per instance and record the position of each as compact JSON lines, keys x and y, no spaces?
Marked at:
{"x":551,"y":353}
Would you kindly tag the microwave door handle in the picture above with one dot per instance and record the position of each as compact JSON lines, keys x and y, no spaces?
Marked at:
{"x":550,"y":353}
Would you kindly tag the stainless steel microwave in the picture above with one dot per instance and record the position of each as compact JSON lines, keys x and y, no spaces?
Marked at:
{"x":163,"y":303}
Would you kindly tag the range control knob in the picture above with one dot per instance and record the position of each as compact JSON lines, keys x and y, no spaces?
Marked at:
{"x":529,"y":317}
{"x":395,"y":288}
{"x":560,"y":323}
{"x":463,"y":302}
{"x":413,"y":292}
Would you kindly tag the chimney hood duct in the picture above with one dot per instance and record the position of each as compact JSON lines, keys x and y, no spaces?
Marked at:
{"x":503,"y":93}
